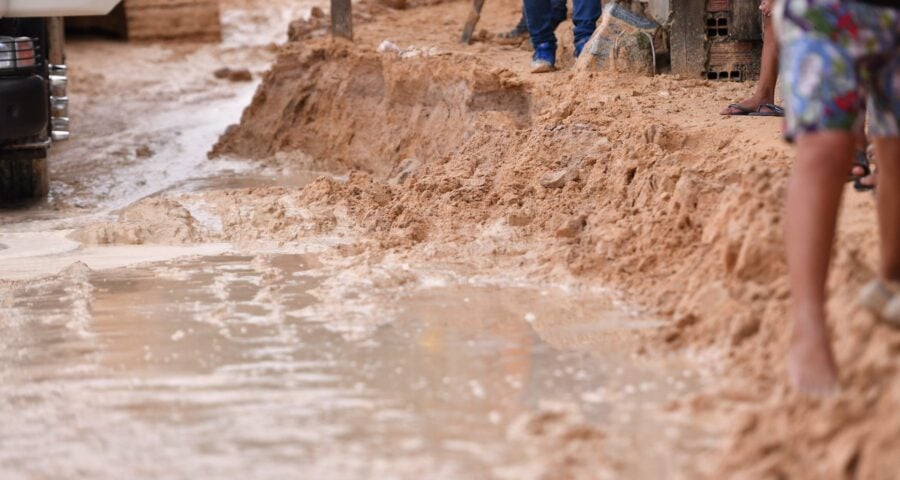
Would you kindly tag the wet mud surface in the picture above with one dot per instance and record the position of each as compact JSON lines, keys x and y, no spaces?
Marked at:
{"x":266,"y":366}
{"x":417,"y":262}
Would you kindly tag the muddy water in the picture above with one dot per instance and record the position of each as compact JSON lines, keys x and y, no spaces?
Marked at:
{"x":272,"y":366}
{"x":210,"y":364}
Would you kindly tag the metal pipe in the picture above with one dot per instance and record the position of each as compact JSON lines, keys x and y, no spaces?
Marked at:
{"x":56,"y":31}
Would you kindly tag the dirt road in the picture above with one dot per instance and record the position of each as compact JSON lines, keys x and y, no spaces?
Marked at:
{"x":416,"y":262}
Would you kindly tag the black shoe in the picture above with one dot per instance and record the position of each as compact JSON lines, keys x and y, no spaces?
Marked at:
{"x":519,"y":31}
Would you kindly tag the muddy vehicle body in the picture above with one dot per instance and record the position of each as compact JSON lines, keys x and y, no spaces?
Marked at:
{"x":34,"y":106}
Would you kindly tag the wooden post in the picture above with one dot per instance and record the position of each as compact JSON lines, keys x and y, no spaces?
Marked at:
{"x":688,"y":37}
{"x":341,"y":19}
{"x":745,"y":21}
{"x":472,"y":21}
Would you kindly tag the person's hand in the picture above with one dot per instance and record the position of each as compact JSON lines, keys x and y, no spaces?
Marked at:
{"x":766,"y":7}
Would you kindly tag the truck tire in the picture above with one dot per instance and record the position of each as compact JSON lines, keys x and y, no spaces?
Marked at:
{"x":24,"y":175}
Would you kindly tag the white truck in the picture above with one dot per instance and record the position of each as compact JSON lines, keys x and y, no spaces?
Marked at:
{"x":33,"y":100}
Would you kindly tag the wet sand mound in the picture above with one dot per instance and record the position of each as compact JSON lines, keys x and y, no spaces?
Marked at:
{"x":633,"y":182}
{"x":369,"y":111}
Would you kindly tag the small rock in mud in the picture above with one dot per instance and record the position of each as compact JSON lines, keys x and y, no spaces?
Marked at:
{"x":144,"y":151}
{"x":234,"y":75}
{"x":519,"y":219}
{"x":305,"y":28}
{"x":559,"y":178}
{"x":569,"y":227}
{"x":743,"y":328}
{"x":555,"y":179}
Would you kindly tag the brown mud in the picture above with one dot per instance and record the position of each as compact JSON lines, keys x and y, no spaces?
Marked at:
{"x":324,"y":365}
{"x":634,"y":182}
{"x":425,"y":150}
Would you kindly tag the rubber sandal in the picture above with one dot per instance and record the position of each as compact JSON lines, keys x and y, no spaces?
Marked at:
{"x":513,"y":35}
{"x":518,"y":32}
{"x":742,"y":110}
{"x":882,"y":299}
{"x":774,"y":111}
{"x":861,"y":160}
{"x":891,"y":313}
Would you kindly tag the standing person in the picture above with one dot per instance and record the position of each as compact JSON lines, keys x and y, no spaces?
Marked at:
{"x":837,"y":57}
{"x":559,"y":11}
{"x":762,"y":102}
{"x":540,"y":17}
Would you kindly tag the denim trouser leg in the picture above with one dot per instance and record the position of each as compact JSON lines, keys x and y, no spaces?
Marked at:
{"x":560,"y":11}
{"x":539,"y":14}
{"x":585,"y":17}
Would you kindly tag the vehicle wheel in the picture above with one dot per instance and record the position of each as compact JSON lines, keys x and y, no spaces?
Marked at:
{"x":23,"y":175}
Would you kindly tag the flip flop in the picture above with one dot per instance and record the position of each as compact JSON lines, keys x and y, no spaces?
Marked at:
{"x":774,"y":111}
{"x":882,"y":299}
{"x":742,"y":110}
{"x":861,"y":160}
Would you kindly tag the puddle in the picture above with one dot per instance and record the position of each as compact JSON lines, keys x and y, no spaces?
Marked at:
{"x":265,"y":367}
{"x":43,"y":260}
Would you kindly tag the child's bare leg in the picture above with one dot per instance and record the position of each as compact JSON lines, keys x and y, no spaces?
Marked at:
{"x":887,"y":150}
{"x":814,"y":198}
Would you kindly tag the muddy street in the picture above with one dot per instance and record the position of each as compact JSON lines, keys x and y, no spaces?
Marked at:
{"x":284,"y":255}
{"x":280,"y":363}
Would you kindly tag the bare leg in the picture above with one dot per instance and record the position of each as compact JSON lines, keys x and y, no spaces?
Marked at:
{"x":814,"y":197}
{"x":768,"y":73}
{"x":888,"y":152}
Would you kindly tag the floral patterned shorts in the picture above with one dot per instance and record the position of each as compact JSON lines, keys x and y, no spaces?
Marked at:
{"x":839,"y":58}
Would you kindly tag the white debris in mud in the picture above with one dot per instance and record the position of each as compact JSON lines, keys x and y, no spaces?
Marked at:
{"x":477,"y":389}
{"x":412,"y":51}
{"x":495,"y":417}
{"x":388,"y":46}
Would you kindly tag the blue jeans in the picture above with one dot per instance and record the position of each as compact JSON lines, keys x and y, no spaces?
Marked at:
{"x":541,"y":14}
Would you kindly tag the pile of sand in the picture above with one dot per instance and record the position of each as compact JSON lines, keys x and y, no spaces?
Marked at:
{"x":634,"y":182}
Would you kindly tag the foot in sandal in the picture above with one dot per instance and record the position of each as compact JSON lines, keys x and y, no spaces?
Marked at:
{"x":882,"y":298}
{"x":754,"y":108}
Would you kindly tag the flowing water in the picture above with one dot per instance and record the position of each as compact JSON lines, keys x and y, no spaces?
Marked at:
{"x":209,"y":361}
{"x":282,"y":366}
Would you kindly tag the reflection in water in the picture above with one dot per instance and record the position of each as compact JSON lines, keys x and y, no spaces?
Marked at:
{"x":266,"y":367}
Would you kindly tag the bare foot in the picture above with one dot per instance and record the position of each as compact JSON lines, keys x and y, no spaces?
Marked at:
{"x":811,"y":365}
